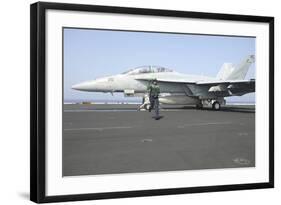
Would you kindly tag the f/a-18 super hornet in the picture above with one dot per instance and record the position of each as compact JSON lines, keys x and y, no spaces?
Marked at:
{"x":178,"y":88}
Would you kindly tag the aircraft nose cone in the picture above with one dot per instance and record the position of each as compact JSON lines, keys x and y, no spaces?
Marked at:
{"x":80,"y":86}
{"x":75,"y":87}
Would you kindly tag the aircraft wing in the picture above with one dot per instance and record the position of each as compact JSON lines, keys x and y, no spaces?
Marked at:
{"x":167,"y":80}
{"x":210,"y":83}
{"x":217,"y":87}
{"x":219,"y":82}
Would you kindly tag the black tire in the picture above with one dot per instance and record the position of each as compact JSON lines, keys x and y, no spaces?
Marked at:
{"x":199,"y":106}
{"x":216,"y":105}
{"x":147,"y":106}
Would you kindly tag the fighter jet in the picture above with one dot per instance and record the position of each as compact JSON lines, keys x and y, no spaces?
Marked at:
{"x":178,"y":88}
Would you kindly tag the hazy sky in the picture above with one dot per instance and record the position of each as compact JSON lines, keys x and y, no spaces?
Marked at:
{"x":89,"y":54}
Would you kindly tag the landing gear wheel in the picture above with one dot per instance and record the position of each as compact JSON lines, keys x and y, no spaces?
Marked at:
{"x":199,"y":106}
{"x":147,"y":106}
{"x":216,"y":106}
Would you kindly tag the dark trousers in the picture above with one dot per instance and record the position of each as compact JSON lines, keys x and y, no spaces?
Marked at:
{"x":154,"y":104}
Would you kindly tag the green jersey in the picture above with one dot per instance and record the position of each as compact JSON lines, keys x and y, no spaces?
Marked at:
{"x":153,"y":90}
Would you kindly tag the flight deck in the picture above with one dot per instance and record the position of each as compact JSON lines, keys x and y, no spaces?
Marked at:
{"x":116,"y":138}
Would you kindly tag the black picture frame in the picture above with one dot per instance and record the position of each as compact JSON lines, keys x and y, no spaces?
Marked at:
{"x":38,"y":101}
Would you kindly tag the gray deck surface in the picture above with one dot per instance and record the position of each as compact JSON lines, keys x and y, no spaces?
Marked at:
{"x":111,"y":139}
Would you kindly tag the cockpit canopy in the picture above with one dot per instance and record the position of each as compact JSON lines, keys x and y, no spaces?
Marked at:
{"x":147,"y":69}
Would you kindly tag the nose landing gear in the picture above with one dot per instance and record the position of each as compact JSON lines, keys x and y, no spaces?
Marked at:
{"x":147,"y":106}
{"x":145,"y":103}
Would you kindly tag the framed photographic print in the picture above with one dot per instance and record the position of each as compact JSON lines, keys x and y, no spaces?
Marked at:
{"x":129,"y":102}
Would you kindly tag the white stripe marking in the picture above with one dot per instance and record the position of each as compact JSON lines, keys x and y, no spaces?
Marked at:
{"x":129,"y":110}
{"x":203,"y":124}
{"x":100,"y":110}
{"x":97,"y":128}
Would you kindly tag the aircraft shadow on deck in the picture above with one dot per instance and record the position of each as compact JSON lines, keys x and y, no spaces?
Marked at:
{"x":238,"y":109}
{"x":235,"y":109}
{"x":223,"y":109}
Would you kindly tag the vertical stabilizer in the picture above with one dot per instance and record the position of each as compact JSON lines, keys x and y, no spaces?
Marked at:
{"x":241,"y":70}
{"x":225,"y":71}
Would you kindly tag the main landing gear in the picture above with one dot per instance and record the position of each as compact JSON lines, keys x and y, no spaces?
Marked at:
{"x":199,"y":105}
{"x":216,"y":104}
